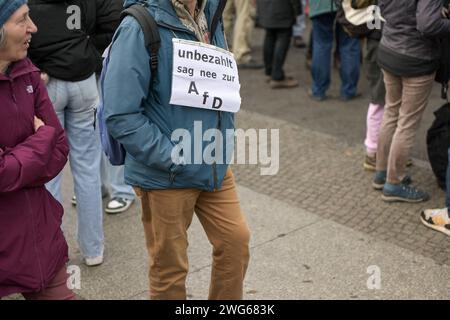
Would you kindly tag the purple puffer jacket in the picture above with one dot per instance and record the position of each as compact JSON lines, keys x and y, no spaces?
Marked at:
{"x":32,"y":245}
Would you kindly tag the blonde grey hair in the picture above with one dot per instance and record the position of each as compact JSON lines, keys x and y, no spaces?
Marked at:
{"x":2,"y":37}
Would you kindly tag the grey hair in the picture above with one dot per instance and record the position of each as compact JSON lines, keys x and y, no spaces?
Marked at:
{"x":2,"y":37}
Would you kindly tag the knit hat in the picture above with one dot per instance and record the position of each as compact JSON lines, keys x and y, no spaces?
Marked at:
{"x":7,"y":9}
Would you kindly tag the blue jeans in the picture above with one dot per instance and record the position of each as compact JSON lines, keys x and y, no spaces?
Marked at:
{"x":113,"y":178}
{"x":447,"y":198}
{"x":74,"y":103}
{"x":349,"y":51}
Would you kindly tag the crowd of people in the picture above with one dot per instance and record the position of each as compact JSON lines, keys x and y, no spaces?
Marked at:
{"x":51,"y":54}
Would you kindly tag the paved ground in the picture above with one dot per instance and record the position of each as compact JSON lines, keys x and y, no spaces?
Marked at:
{"x":319,"y":231}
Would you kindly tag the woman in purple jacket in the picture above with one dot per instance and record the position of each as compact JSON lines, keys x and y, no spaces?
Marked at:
{"x":33,"y":150}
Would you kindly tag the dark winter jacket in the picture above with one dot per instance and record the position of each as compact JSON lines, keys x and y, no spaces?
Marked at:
{"x":72,"y":35}
{"x":410,"y":44}
{"x":278,"y":14}
{"x":32,"y":245}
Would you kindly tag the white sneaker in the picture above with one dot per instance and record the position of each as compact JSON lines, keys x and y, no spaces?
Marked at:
{"x":93,"y":261}
{"x":118,"y":205}
{"x":437,"y":219}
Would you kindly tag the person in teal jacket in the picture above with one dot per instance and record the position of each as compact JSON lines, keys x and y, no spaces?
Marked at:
{"x":139,"y":115}
{"x":318,"y":7}
{"x":323,"y":17}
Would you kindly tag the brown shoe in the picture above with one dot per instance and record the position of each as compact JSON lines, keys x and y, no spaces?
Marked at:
{"x":299,"y":43}
{"x":284,"y":84}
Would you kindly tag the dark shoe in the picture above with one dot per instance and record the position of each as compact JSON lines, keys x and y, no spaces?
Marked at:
{"x":269,"y":78}
{"x":403,"y":193}
{"x":284,"y":84}
{"x":380,"y":180}
{"x":299,"y":43}
{"x":252,"y":64}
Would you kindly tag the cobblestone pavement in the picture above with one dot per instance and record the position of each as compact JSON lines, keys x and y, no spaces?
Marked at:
{"x":323,"y":175}
{"x":321,"y":158}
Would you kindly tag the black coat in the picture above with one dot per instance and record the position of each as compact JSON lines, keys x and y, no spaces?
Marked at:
{"x":277,"y":14}
{"x":68,"y":45}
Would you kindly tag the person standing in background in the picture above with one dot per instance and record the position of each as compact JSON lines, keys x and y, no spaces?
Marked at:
{"x":238,"y":19}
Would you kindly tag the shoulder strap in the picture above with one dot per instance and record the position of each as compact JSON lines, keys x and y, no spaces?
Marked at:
{"x":150,"y":29}
{"x":217,"y":17}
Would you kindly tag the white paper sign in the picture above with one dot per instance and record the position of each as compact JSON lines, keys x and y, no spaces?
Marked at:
{"x":204,"y":76}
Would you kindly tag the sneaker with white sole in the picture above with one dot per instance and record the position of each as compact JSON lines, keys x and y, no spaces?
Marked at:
{"x":93,"y":261}
{"x":436,"y":219}
{"x":118,"y":205}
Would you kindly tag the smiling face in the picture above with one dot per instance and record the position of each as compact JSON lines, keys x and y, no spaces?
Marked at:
{"x":18,"y":30}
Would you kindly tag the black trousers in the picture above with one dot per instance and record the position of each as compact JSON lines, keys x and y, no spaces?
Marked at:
{"x":276,"y":47}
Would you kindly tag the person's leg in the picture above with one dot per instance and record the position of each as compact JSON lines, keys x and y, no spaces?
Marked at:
{"x":394,"y":90}
{"x":376,"y":107}
{"x":228,"y":21}
{"x":283,"y":40}
{"x":119,"y":189}
{"x":166,"y":217}
{"x":56,"y":290}
{"x":269,"y":49}
{"x":113,"y":183}
{"x":416,"y":92}
{"x":242,"y":31}
{"x":220,"y":214}
{"x":321,"y":53}
{"x":350,"y":55}
{"x":57,"y":92}
{"x":374,"y":119}
{"x":85,"y":158}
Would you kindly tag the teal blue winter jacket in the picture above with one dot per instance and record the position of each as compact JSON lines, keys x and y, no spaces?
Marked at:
{"x":138,"y":113}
